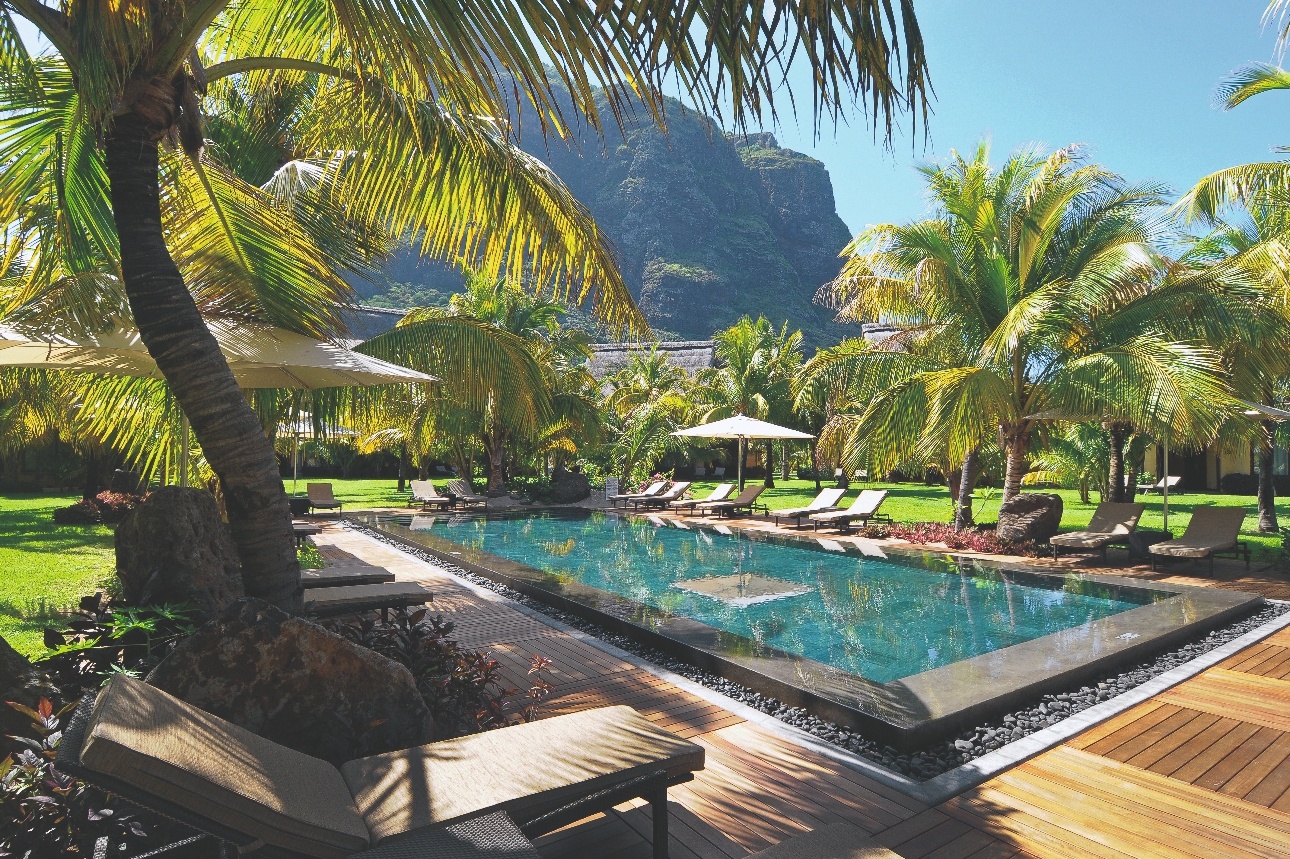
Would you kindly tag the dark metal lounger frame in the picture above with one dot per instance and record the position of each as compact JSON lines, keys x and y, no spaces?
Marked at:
{"x":496,"y":829}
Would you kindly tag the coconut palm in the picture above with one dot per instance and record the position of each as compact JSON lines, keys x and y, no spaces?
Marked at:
{"x":404,"y":126}
{"x":1030,"y":297}
{"x":754,"y":376}
{"x":647,"y":400}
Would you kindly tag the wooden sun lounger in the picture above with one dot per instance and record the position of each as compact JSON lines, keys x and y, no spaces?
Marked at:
{"x":1112,"y":522}
{"x":827,"y":500}
{"x":864,"y":508}
{"x":266,"y":800}
{"x":321,"y":497}
{"x":655,"y":488}
{"x":674,"y":492}
{"x":746,"y":500}
{"x":720,"y":493}
{"x":464,"y":494}
{"x":338,"y":577}
{"x":1173,"y":482}
{"x":327,"y":602}
{"x":1212,"y":531}
{"x":424,"y":492}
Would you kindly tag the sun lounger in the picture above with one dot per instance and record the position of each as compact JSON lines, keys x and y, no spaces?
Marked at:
{"x":423,"y":491}
{"x":864,"y":508}
{"x":303,"y":530}
{"x":1212,"y":531}
{"x":827,"y":500}
{"x":700,"y":471}
{"x":267,"y":800}
{"x":1112,"y":522}
{"x":338,"y":577}
{"x":327,"y":602}
{"x":720,"y":493}
{"x":464,"y":494}
{"x":746,"y":500}
{"x":1158,"y":486}
{"x":655,"y":488}
{"x":673,"y":493}
{"x":719,"y":471}
{"x":321,"y":497}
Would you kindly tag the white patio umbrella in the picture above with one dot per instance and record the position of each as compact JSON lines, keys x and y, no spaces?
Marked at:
{"x":260,"y":356}
{"x":301,"y":428}
{"x":743,"y":428}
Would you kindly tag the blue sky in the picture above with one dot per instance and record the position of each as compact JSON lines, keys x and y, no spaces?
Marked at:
{"x":1133,"y":79}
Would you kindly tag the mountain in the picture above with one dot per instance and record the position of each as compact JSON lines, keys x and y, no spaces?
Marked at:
{"x":709,"y":226}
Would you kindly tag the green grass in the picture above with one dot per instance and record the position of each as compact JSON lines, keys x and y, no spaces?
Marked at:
{"x":910,"y":502}
{"x":46,"y":567}
{"x":381,"y":492}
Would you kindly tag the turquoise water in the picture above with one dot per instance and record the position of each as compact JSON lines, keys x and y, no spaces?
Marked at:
{"x":880,"y":618}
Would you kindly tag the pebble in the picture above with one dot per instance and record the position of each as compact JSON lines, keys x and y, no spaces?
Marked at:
{"x":924,"y":763}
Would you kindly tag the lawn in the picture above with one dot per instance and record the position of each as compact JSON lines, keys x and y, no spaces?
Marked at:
{"x":46,"y":567}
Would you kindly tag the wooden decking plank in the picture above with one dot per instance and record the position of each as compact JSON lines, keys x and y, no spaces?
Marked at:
{"x":800,"y":809}
{"x":1270,"y":666}
{"x":1196,"y":748}
{"x":968,"y":845}
{"x":1173,"y":741}
{"x":1125,"y":727}
{"x":1194,"y":769}
{"x":1002,"y":819}
{"x":1272,"y":787}
{"x":1259,"y":768}
{"x":774,"y":748}
{"x":683,"y":839}
{"x":935,"y":838}
{"x":1250,"y":657}
{"x":1281,"y":637}
{"x":1148,"y":814}
{"x":869,"y":816}
{"x":1178,"y":802}
{"x":1257,"y":699}
{"x":911,"y":827}
{"x":1236,"y":760}
{"x":1130,"y":745}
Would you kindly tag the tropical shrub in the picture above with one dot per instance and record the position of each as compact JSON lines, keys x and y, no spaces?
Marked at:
{"x":107,"y":506}
{"x":45,"y":812}
{"x":930,"y":533}
{"x":462,"y":688}
{"x":103,"y":639}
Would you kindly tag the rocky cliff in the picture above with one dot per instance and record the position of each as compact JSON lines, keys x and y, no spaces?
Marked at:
{"x":709,"y":226}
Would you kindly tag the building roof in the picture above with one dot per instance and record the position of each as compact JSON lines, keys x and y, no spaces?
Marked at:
{"x":689,"y":355}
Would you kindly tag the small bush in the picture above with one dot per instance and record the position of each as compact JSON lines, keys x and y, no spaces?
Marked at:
{"x":973,"y":539}
{"x":108,"y":507}
{"x":47,"y":813}
{"x":1240,"y":484}
{"x":462,"y":688}
{"x":103,"y":639}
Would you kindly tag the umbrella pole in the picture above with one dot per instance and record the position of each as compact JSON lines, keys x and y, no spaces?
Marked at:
{"x":295,"y":465}
{"x":183,"y":449}
{"x":742,"y":456}
{"x":1164,"y":490}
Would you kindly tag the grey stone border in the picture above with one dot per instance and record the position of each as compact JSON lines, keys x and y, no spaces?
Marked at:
{"x":936,"y":790}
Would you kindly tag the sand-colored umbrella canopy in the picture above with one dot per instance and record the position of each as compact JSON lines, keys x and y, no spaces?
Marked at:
{"x":743,"y":428}
{"x":260,"y":356}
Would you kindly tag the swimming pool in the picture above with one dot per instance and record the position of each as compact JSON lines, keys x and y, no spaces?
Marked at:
{"x":856,"y":623}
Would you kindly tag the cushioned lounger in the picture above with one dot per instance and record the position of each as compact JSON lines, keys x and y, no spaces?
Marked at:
{"x":1111,"y":521}
{"x":326,"y":602}
{"x":464,"y":494}
{"x":160,"y":752}
{"x":425,"y":494}
{"x":673,"y":493}
{"x":864,"y":508}
{"x":826,"y":500}
{"x":1211,"y":531}
{"x":720,"y":493}
{"x":625,"y":498}
{"x":746,"y":500}
{"x":350,"y":574}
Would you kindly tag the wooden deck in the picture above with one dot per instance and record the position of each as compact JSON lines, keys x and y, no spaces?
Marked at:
{"x":1199,"y":772}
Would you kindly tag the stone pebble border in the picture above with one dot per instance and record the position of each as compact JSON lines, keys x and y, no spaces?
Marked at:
{"x":937,"y":759}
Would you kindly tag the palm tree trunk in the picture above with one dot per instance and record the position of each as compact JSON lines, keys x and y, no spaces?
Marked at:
{"x":1267,"y":490}
{"x":1017,"y":439}
{"x":968,"y":474}
{"x":496,"y":447}
{"x":815,"y":463}
{"x":769,"y":482}
{"x":1115,"y":479}
{"x":188,"y":356}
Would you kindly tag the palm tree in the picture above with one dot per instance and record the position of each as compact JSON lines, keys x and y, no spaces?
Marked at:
{"x":647,"y":400}
{"x":1028,"y":298}
{"x":404,"y":126}
{"x":757,"y":366}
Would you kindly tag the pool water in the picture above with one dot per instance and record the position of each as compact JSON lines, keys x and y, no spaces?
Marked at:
{"x":881,"y":618}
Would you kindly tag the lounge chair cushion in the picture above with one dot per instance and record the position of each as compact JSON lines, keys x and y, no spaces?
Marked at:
{"x":1211,"y":529}
{"x":1083,"y":539}
{"x":185,"y":756}
{"x":838,"y":841}
{"x":534,"y":765}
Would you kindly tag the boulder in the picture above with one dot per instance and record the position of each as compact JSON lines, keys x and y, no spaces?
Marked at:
{"x":569,"y":487}
{"x":297,"y":684}
{"x":1030,"y":516}
{"x":22,"y":683}
{"x":174,"y":548}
